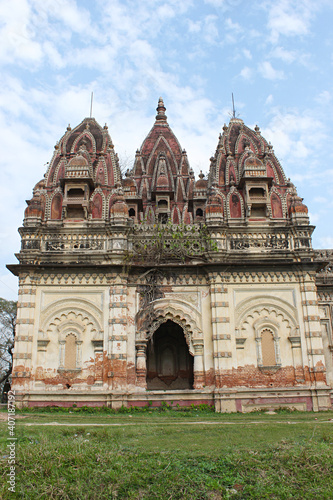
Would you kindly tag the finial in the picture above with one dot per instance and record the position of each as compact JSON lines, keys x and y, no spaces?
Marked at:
{"x":69,"y":128}
{"x":233,"y":106}
{"x":257,"y":129}
{"x":225,"y":127}
{"x":161,"y":110}
{"x":105,"y":127}
{"x":201,"y":175}
{"x":91,"y":104}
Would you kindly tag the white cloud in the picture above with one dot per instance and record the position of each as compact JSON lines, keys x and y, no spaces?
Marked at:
{"x":216,"y":3}
{"x":320,"y":199}
{"x":324,"y":97}
{"x":194,"y":26}
{"x":165,"y":12}
{"x":268,"y":72}
{"x":233,"y":31}
{"x":210,"y":31}
{"x":289,"y":18}
{"x":269,"y":99}
{"x":68,"y":12}
{"x":284,"y":55}
{"x":8,"y":283}
{"x":296,"y":136}
{"x":235,"y":27}
{"x":247,"y":54}
{"x":326,"y":242}
{"x":246,"y":73}
{"x":17,"y":33}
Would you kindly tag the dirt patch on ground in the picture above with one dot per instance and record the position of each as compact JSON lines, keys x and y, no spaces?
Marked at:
{"x":4,"y":416}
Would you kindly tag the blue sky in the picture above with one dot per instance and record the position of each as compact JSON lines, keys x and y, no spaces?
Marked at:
{"x":275,"y":56}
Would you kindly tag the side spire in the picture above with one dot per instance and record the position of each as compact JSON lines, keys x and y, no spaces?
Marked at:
{"x":161,"y":116}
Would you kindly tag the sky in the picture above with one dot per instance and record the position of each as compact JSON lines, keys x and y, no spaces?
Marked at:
{"x":275,"y":56}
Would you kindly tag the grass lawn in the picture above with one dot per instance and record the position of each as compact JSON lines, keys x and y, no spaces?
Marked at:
{"x":170,"y":455}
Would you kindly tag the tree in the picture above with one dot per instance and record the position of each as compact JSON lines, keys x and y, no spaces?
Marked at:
{"x":8,"y":311}
{"x":158,"y":243}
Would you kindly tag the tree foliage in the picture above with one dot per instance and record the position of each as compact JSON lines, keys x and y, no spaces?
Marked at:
{"x":157,"y":243}
{"x":8,"y":310}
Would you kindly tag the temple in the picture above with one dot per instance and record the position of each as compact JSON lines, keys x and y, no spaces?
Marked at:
{"x":156,"y":287}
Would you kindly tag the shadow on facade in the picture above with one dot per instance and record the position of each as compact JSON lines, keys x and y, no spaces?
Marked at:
{"x":169,"y":363}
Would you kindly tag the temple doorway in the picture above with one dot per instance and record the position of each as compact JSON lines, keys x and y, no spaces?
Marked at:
{"x":169,"y":362}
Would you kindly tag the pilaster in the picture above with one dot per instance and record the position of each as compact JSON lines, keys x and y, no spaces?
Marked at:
{"x":117,"y":341}
{"x":312,"y":330}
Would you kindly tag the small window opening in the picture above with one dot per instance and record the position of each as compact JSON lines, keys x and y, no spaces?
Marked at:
{"x":75,"y":193}
{"x":257,"y":192}
{"x":162,"y":204}
{"x":199,"y":212}
{"x":131,"y":212}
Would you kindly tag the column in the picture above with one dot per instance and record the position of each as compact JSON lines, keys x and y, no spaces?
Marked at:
{"x":198,"y":368}
{"x":141,"y":365}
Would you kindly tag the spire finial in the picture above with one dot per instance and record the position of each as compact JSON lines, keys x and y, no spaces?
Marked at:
{"x":91,"y":104}
{"x":161,"y":116}
{"x":233,"y":106}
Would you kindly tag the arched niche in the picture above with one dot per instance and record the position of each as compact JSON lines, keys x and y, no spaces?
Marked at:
{"x":276,"y":204}
{"x":169,"y":362}
{"x":97,"y":206}
{"x":56,"y":207}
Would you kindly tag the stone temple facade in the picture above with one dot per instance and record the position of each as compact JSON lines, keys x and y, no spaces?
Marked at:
{"x":159,"y":287}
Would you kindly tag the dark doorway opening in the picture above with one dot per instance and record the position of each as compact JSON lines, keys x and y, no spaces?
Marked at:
{"x":169,"y":362}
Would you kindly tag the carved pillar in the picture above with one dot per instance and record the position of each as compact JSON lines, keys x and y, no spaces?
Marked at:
{"x":277,"y":350}
{"x":62,"y":353}
{"x":198,"y":369}
{"x":259,"y":351}
{"x":98,"y":349}
{"x":141,"y":365}
{"x":79,"y":353}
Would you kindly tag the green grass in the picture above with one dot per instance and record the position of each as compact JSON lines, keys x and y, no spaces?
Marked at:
{"x":171,"y":455}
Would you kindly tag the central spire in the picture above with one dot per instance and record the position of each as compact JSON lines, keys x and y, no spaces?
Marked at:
{"x":161,"y":116}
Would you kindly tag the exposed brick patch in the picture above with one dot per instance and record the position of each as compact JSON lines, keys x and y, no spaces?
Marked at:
{"x":251,"y":376}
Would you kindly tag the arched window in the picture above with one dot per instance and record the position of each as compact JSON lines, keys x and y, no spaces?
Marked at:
{"x":131,"y":212}
{"x":268,"y":348}
{"x":70,"y":352}
{"x":199,"y":212}
{"x":162,"y":204}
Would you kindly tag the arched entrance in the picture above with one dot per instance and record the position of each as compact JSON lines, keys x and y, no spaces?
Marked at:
{"x":169,"y":363}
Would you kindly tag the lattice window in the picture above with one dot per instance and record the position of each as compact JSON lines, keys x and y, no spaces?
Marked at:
{"x":268,"y":348}
{"x":70,"y":352}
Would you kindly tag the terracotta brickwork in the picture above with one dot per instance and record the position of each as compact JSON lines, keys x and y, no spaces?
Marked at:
{"x":159,"y":287}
